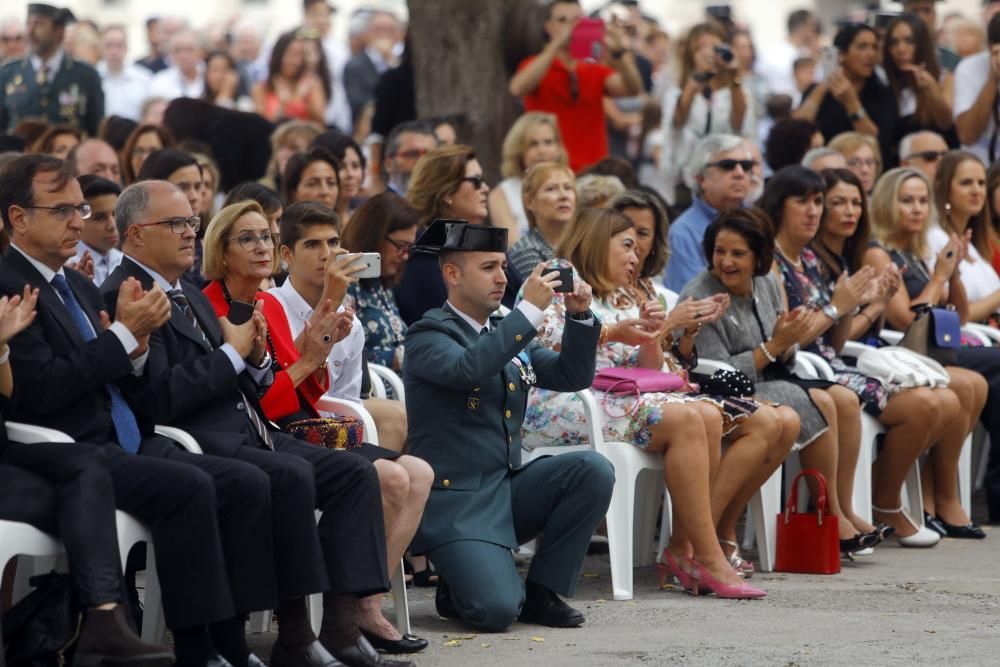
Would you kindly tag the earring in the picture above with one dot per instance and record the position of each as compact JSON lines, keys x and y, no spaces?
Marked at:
{"x":448,"y":202}
{"x":947,"y":207}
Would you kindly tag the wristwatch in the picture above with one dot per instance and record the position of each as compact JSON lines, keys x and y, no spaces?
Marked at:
{"x":581,"y":317}
{"x":831,"y":311}
{"x":860,"y":114}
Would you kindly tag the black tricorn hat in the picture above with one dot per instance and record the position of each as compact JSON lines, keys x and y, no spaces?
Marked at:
{"x":59,"y":15}
{"x":443,"y":235}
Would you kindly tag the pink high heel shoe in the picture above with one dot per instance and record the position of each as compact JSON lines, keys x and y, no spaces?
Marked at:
{"x":702,"y":576}
{"x":669,"y":566}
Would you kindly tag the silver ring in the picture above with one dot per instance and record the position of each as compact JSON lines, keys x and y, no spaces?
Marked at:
{"x":327,"y":338}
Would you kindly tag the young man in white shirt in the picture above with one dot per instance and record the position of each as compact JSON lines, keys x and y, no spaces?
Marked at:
{"x":99,"y":237}
{"x":310,"y":236}
{"x":125,"y":86}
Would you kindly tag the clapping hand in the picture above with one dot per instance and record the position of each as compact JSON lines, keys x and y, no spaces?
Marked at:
{"x":850,"y":291}
{"x":260,"y":338}
{"x":16,"y":313}
{"x":85,"y":265}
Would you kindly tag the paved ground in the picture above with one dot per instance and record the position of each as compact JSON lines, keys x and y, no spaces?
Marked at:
{"x":896,"y":607}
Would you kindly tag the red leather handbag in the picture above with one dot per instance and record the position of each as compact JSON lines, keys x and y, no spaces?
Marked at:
{"x":808,"y":542}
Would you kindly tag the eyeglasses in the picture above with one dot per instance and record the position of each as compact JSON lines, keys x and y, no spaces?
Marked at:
{"x":11,"y":39}
{"x":249,"y":241}
{"x":412,"y":154}
{"x":855,"y":162}
{"x":477,"y":181}
{"x":730,"y":165}
{"x":402,"y":247}
{"x":65,"y":212}
{"x":926,"y":156}
{"x":177,"y":225}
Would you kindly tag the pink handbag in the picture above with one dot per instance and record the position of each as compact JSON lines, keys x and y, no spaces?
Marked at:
{"x":638,"y":381}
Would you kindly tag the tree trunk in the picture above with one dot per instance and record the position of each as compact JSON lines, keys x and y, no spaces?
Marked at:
{"x":460,"y":51}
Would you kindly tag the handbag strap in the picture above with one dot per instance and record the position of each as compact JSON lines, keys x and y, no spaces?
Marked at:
{"x":611,"y":389}
{"x":792,"y":507}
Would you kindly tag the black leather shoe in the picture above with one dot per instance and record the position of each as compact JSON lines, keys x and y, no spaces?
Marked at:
{"x":311,"y":655}
{"x":970,"y":531}
{"x":408,"y":644}
{"x":859,"y":542}
{"x":442,"y":601}
{"x":254,"y":661}
{"x":935,"y":524}
{"x":543,"y":607}
{"x":363,"y":654}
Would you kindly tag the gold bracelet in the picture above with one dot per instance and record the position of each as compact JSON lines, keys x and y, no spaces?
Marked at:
{"x":605,"y":334}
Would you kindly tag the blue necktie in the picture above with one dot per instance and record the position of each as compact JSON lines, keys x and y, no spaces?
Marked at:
{"x":121,"y":415}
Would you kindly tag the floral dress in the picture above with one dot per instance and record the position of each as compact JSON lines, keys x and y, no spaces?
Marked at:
{"x":557,"y":418}
{"x":375,"y":306}
{"x":809,"y":286}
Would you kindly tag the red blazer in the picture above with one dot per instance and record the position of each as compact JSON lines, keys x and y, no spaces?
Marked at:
{"x":281,"y":398}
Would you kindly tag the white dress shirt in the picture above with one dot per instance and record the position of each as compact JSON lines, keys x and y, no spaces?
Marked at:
{"x":344,"y":364}
{"x":171,"y":84}
{"x":530,"y":311}
{"x":124,"y":91}
{"x":103,"y":264}
{"x":970,"y":75}
{"x":127,"y":339}
{"x":53,"y":63}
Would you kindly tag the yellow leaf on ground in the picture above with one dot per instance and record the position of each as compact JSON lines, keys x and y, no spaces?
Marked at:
{"x":485,"y":645}
{"x":452,"y":643}
{"x":538,"y":639}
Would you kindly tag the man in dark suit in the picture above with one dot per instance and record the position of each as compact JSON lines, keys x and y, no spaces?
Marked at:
{"x":209,"y":516}
{"x":473,"y":372}
{"x":198,"y":378}
{"x":49,"y":84}
{"x":362,"y":71}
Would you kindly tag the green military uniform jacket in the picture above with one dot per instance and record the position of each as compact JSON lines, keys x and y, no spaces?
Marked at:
{"x":465,"y":402}
{"x":73,"y":95}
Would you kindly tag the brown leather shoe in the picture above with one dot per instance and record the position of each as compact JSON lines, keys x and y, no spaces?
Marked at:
{"x":106,"y":638}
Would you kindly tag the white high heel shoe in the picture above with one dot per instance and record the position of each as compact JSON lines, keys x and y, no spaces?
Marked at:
{"x":922,"y":539}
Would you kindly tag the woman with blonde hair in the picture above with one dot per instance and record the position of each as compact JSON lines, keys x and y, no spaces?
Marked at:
{"x":532,"y":139}
{"x":549,"y":194}
{"x":447,"y":182}
{"x":686,"y":429}
{"x":289,"y":138}
{"x":863,"y":155}
{"x":901,"y":210}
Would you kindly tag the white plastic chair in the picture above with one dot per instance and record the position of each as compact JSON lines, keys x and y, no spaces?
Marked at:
{"x":631,"y":516}
{"x":389,"y":377}
{"x":130,"y":533}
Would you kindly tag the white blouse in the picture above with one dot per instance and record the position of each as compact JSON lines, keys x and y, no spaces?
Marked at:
{"x":978,"y":276}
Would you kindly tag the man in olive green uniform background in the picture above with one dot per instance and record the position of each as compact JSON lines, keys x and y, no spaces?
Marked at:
{"x":467,"y":376}
{"x":48,"y":84}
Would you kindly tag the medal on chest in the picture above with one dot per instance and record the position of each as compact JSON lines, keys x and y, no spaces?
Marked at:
{"x":524,"y":368}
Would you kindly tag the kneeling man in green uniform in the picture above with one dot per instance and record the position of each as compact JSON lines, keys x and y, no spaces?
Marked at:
{"x":467,"y":376}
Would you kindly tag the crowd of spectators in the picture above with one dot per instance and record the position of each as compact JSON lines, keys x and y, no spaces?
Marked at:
{"x":710,"y":196}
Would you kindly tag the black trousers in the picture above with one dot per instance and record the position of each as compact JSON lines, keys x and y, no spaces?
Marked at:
{"x":347,"y":552}
{"x":177,"y":502}
{"x":66,"y":490}
{"x":243,"y":510}
{"x":986,"y":361}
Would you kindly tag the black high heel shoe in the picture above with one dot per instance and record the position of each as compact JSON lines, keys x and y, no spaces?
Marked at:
{"x":859,"y":542}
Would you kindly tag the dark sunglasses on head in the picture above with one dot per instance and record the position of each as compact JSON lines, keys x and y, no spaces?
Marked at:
{"x":477,"y":181}
{"x":729,"y":165}
{"x":926,"y":156}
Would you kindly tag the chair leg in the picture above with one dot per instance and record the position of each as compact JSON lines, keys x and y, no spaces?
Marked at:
{"x":664,"y":525}
{"x":644,"y":526}
{"x":913,"y":499}
{"x":619,"y":520}
{"x":260,"y":622}
{"x":965,"y":476}
{"x":154,"y":627}
{"x":862,"y":497}
{"x":315,"y":602}
{"x":399,"y":600}
{"x":765,"y":506}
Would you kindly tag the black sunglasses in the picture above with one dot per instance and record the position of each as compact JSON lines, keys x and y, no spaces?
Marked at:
{"x":926,"y":156}
{"x":729,"y":165}
{"x":477,"y":181}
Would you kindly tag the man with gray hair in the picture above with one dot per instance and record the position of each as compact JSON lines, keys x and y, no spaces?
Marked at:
{"x":822,"y":158}
{"x":407,"y":143}
{"x":923,"y":151}
{"x":719,"y":173}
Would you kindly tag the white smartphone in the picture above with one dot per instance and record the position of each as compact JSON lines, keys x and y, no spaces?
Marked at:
{"x":372,"y":261}
{"x":829,"y":61}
